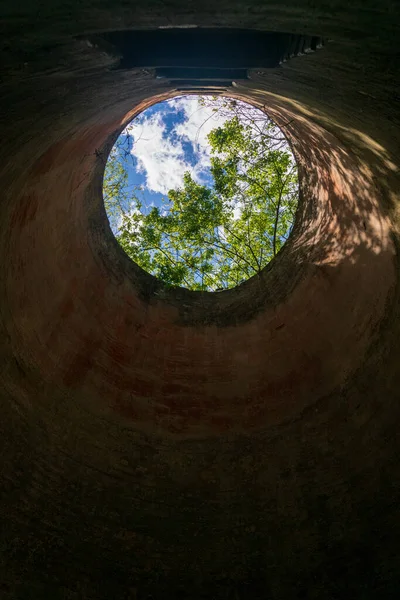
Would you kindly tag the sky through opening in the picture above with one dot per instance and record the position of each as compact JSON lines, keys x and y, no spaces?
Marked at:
{"x":235,"y":176}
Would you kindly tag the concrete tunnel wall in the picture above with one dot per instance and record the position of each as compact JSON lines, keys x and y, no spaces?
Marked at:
{"x":171,"y":444}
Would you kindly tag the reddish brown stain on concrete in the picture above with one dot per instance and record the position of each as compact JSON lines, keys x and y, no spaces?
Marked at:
{"x":25,"y":211}
{"x":66,"y":307}
{"x":81,"y":363}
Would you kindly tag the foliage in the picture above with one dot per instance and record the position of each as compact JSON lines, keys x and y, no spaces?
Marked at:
{"x":117,"y":193}
{"x":212,"y":238}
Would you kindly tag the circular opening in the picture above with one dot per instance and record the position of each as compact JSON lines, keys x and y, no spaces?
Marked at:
{"x":201,"y":191}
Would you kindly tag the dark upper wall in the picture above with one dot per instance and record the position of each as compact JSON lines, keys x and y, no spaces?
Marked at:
{"x":164,"y":443}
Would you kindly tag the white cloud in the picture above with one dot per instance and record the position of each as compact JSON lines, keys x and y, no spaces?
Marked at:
{"x":160,"y":153}
{"x":198,"y":123}
{"x":237,"y":210}
{"x":221,"y":233}
{"x":161,"y":158}
{"x":161,"y":161}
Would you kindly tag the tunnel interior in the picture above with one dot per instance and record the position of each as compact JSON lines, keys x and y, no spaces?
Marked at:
{"x":164,"y":443}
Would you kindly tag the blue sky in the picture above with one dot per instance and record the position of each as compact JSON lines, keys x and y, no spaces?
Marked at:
{"x":169,"y":139}
{"x":166,"y":140}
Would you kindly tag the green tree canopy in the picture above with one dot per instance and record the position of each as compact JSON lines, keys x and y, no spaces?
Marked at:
{"x":214,"y":237}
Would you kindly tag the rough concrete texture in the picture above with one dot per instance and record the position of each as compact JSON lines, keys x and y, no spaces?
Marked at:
{"x":163,"y":443}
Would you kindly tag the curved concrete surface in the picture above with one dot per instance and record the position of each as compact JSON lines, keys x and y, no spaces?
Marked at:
{"x":172,"y":444}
